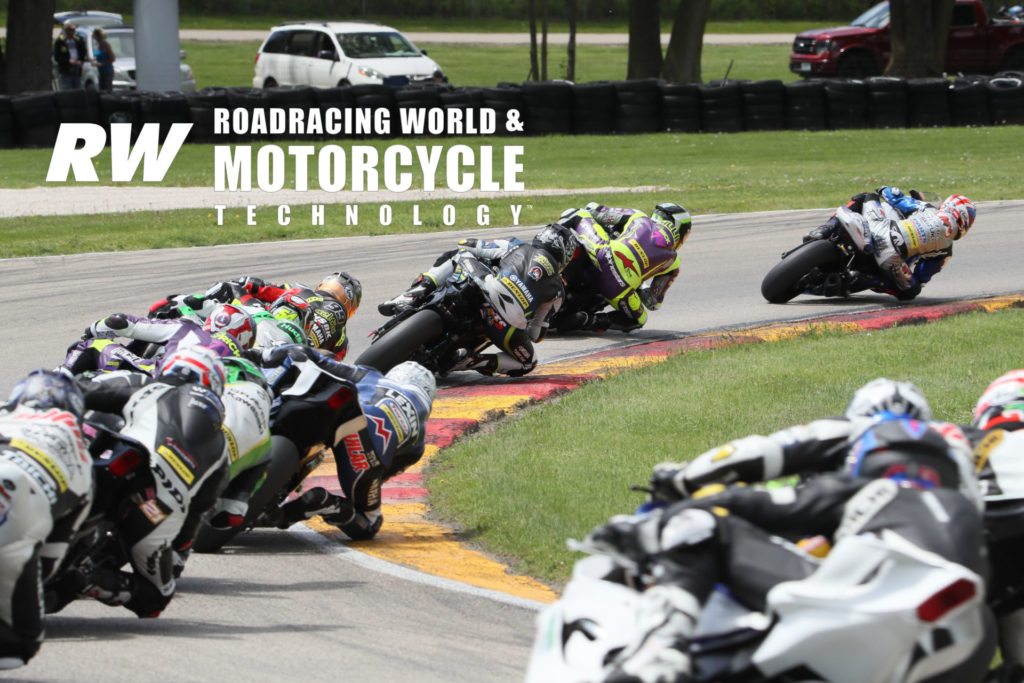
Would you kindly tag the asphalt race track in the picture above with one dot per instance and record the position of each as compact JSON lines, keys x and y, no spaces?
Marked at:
{"x":278,"y":607}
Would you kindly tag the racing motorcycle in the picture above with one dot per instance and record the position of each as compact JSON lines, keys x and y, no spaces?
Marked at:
{"x":839,"y":263}
{"x":448,"y":326}
{"x":315,"y":407}
{"x":895,"y":601}
{"x":119,"y":463}
{"x":580,"y":279}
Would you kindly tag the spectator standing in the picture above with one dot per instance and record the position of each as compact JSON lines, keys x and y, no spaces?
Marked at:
{"x":69,"y":53}
{"x":103,"y":58}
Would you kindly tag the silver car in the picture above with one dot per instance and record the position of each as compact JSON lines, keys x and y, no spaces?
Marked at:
{"x":122,"y":41}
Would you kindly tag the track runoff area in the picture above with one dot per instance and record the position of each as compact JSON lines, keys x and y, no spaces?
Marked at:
{"x":409,"y":540}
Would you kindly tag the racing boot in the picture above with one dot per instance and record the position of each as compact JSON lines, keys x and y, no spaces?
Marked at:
{"x":822,"y":232}
{"x":417,"y":293}
{"x":315,"y":501}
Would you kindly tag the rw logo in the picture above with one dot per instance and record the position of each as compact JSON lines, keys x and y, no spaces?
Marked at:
{"x":124,"y":158}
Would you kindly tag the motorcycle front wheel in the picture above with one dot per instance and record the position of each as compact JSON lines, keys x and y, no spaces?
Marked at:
{"x":400,"y":343}
{"x":788,"y":278}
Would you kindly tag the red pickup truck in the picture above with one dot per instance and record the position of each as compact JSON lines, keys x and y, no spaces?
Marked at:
{"x":976,"y":44}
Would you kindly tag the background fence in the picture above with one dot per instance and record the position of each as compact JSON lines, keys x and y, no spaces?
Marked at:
{"x":555,"y":107}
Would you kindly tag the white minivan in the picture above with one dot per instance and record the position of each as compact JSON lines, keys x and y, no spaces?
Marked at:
{"x":332,"y":54}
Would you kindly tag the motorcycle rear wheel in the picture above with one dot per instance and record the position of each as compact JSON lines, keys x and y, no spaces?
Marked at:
{"x":787,"y":278}
{"x":400,"y":343}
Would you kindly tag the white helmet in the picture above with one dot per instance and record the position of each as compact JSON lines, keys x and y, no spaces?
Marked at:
{"x":415,"y":374}
{"x":886,"y":395}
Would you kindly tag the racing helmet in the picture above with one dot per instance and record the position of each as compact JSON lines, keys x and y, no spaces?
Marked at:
{"x":293,"y":305}
{"x":418,"y":376}
{"x":675,"y":218}
{"x":558,"y":241}
{"x":1001,"y":405}
{"x":241,"y":370}
{"x":344,"y":288}
{"x":884,"y":395}
{"x":959,"y":212}
{"x":277,"y":331}
{"x":911,"y":454}
{"x":46,"y":390}
{"x":197,"y":364}
{"x":232,"y":320}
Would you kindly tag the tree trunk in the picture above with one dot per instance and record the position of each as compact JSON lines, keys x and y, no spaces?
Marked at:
{"x":570,"y":69}
{"x":544,"y":40}
{"x":29,"y":46}
{"x":531,"y":9}
{"x":644,"y":40}
{"x":918,"y":30}
{"x":682,"y":59}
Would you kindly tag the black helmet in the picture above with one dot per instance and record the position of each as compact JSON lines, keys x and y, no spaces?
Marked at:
{"x":45,"y":390}
{"x":344,"y":288}
{"x":558,"y":241}
{"x":675,"y":218}
{"x":912,"y":454}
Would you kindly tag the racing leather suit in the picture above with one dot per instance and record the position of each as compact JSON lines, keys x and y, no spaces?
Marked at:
{"x":628,"y":248}
{"x":524,"y":291}
{"x":45,"y":491}
{"x":392,"y":440}
{"x":327,"y":321}
{"x":180,"y":427}
{"x":92,"y":353}
{"x":745,"y":538}
{"x":907,"y":237}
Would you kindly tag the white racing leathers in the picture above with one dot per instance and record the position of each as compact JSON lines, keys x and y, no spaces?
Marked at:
{"x":45,"y":490}
{"x":182,"y":428}
{"x":900,"y":244}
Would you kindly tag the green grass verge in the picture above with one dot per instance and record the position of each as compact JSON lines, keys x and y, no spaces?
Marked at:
{"x":706,"y":173}
{"x":231,"y":64}
{"x":557,"y":471}
{"x":767,"y":170}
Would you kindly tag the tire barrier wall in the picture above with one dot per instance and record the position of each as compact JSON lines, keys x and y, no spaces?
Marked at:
{"x":558,"y":107}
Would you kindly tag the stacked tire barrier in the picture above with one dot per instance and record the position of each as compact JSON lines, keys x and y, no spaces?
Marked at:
{"x":556,"y":107}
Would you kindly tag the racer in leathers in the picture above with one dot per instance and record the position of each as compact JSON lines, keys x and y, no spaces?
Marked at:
{"x":177,"y":419}
{"x":635,"y":255}
{"x":98,"y":351}
{"x":322,"y":311}
{"x":998,"y":435}
{"x":522,"y":284}
{"x":910,"y":239}
{"x":45,"y":491}
{"x":818,"y":446}
{"x":396,"y":406}
{"x":900,"y":484}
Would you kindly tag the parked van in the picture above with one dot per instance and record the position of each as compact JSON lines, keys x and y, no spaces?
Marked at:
{"x":331,"y":54}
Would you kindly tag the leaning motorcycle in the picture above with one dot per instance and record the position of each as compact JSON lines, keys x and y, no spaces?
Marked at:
{"x":120,"y":466}
{"x":448,"y":326}
{"x":893,"y":600}
{"x":315,"y":408}
{"x":835,"y":264}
